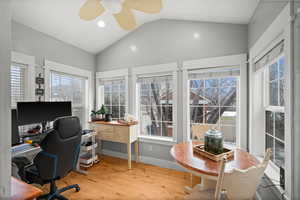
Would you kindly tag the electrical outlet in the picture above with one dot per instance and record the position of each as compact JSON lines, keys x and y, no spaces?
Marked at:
{"x":150,"y":148}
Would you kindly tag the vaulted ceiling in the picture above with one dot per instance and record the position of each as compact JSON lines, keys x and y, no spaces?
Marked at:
{"x":60,"y":19}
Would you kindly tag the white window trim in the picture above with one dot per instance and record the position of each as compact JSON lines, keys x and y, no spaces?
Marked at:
{"x":150,"y":70}
{"x":224,"y":61}
{"x":111,"y":75}
{"x":50,"y":66}
{"x":279,"y":30}
{"x":29,"y":61}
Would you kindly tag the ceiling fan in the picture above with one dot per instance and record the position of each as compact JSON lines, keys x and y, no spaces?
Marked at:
{"x":121,"y":10}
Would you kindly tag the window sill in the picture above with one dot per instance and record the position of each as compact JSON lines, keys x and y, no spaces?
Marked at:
{"x":157,"y":140}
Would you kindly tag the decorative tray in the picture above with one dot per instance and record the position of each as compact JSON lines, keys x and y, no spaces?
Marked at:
{"x":199,"y":149}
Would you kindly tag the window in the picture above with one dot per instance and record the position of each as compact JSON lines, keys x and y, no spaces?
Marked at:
{"x":213,"y":96}
{"x":17,"y":83}
{"x":155,"y":103}
{"x":115,"y":98}
{"x":274,"y":114}
{"x":66,"y":87}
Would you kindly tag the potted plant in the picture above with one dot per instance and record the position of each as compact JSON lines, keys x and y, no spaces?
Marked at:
{"x":94,"y":115}
{"x":102,"y":112}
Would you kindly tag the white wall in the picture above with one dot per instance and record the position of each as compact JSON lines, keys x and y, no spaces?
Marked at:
{"x":166,"y":41}
{"x":5,"y":137}
{"x":31,"y":42}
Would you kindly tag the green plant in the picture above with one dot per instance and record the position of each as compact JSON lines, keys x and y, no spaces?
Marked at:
{"x":102,"y":111}
{"x":93,"y":113}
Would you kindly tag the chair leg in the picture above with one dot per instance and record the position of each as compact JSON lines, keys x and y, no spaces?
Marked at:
{"x":56,"y":193}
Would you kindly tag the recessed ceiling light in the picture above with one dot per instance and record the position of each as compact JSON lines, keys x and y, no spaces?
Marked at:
{"x":101,"y":24}
{"x":133,"y":48}
{"x":196,"y":35}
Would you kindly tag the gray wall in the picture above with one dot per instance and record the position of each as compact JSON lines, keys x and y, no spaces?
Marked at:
{"x":265,"y":13}
{"x":31,"y":42}
{"x":166,"y":41}
{"x":5,"y":138}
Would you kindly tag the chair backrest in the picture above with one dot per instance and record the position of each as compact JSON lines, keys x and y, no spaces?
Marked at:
{"x":60,"y":149}
{"x":241,"y":184}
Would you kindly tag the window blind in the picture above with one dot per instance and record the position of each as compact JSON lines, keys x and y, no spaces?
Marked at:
{"x":65,"y":87}
{"x":214,"y":73}
{"x":17,"y":83}
{"x":270,"y":56}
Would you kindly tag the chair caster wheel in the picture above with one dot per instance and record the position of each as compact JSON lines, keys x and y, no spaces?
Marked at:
{"x":77,"y":189}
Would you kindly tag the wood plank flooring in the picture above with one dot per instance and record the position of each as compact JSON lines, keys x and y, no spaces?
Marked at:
{"x":111,"y":180}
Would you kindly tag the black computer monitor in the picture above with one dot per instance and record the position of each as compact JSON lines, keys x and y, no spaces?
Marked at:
{"x":41,"y":112}
{"x":15,"y":136}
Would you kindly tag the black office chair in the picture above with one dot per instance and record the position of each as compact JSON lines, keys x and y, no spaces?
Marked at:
{"x":59,"y":156}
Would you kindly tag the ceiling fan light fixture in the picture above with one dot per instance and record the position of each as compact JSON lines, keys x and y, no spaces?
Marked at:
{"x":101,"y":24}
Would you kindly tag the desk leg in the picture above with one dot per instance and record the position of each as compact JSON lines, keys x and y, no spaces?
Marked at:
{"x":129,"y":154}
{"x":137,"y":153}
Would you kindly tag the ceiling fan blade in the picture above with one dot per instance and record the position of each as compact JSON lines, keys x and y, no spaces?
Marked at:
{"x":147,"y":6}
{"x":125,"y":18}
{"x":91,"y":9}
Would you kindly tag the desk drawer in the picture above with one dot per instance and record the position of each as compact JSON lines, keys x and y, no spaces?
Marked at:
{"x":121,"y":134}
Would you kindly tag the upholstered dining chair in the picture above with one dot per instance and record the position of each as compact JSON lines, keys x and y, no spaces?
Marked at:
{"x":236,"y":185}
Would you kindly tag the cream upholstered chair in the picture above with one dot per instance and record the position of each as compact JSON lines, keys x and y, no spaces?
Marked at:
{"x":236,"y":185}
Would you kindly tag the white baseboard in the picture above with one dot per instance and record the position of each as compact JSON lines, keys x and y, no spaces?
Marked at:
{"x":145,"y":159}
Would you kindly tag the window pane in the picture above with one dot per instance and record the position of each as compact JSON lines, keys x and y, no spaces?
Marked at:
{"x":156,"y":128}
{"x":211,"y":83}
{"x":211,"y":115}
{"x":279,"y":125}
{"x":281,"y":90}
{"x":197,"y":97}
{"x":198,"y":130}
{"x":229,"y":133}
{"x":145,"y":120}
{"x":274,"y":93}
{"x":155,"y":97}
{"x":115,"y":99}
{"x":228,"y":116}
{"x":145,"y":97}
{"x":196,"y":83}
{"x":116,"y":87}
{"x":228,"y":96}
{"x":122,"y":98}
{"x":167,"y":129}
{"x":167,"y":113}
{"x":156,"y":113}
{"x":281,"y":68}
{"x":108,"y":109}
{"x":107,"y":88}
{"x":269,"y":122}
{"x":212,"y":95}
{"x":107,"y":100}
{"x":270,"y":144}
{"x":274,"y":71}
{"x":122,"y":112}
{"x":196,"y":114}
{"x":279,"y":153}
{"x":115,"y":112}
{"x":230,"y":81}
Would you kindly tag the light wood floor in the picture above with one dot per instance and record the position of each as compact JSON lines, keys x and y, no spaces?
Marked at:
{"x":111,"y":180}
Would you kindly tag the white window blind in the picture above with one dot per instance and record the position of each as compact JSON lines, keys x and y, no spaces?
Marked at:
{"x":17,"y":83}
{"x":65,"y":87}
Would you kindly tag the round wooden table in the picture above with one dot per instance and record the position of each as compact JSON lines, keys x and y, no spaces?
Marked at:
{"x":208,"y":169}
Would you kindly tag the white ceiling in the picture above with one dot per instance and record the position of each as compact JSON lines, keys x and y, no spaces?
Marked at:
{"x":59,"y":18}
